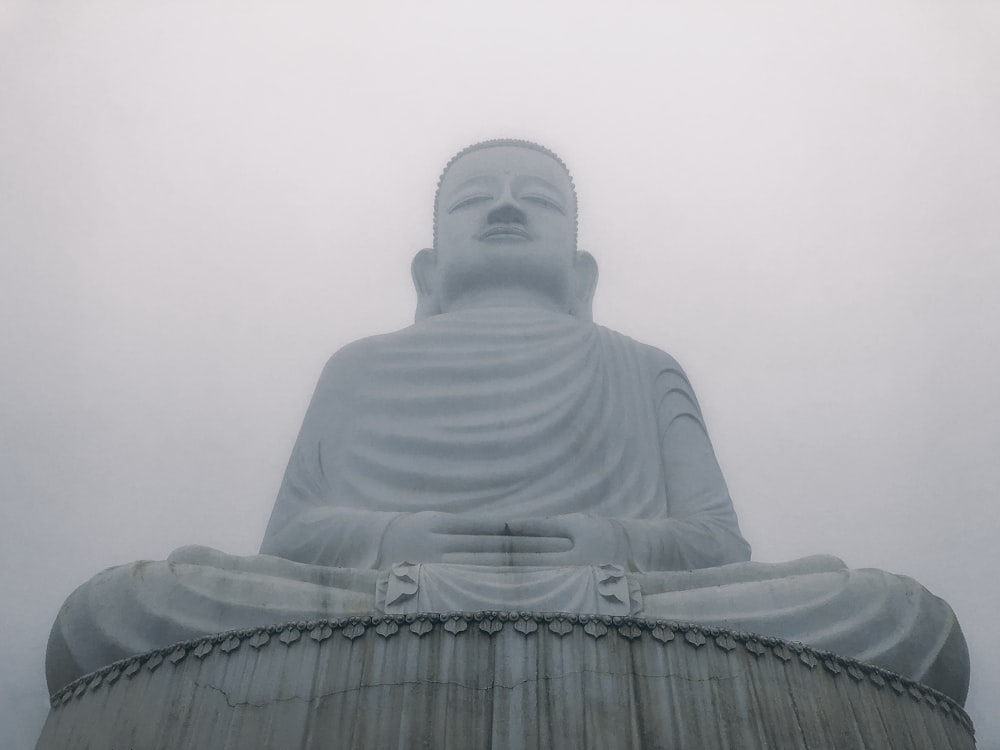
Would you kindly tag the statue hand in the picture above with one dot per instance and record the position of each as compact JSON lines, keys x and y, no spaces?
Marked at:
{"x":592,"y":540}
{"x":430,"y":536}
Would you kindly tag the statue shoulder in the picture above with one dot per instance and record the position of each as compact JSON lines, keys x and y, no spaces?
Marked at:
{"x":662,"y":361}
{"x":356,"y":358}
{"x":655,"y":361}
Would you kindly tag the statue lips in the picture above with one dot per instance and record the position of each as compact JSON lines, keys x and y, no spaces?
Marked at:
{"x":505,"y":232}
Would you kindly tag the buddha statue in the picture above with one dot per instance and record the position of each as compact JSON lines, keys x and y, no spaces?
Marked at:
{"x":507,"y":452}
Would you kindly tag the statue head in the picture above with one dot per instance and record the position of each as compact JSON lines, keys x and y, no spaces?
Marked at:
{"x":505,"y":235}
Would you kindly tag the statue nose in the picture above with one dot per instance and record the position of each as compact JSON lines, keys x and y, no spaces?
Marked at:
{"x":506,"y":213}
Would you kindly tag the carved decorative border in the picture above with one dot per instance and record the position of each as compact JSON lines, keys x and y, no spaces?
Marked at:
{"x":525,"y":623}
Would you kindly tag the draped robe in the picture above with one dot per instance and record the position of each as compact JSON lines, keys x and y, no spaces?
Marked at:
{"x":513,"y":412}
{"x":520,"y":413}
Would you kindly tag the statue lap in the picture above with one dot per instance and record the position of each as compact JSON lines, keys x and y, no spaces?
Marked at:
{"x":876,"y":617}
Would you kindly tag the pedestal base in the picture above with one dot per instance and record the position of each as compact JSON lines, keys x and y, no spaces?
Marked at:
{"x":498,"y":679}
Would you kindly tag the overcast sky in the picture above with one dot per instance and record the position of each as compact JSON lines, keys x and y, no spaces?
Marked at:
{"x":201,"y":201}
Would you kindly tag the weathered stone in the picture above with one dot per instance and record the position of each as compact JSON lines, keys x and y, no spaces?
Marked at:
{"x":503,"y":454}
{"x":472,"y":692}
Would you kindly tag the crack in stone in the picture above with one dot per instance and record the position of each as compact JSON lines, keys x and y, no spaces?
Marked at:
{"x":451,"y":683}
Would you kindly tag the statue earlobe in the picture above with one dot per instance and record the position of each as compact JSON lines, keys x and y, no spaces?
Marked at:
{"x":584,"y":284}
{"x":423,"y":270}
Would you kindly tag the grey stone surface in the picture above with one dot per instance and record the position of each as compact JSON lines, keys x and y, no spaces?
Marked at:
{"x":884,"y":619}
{"x":505,"y":430}
{"x":497,"y":679}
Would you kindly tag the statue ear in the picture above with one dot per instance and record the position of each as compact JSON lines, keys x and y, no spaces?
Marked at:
{"x":424,"y":272}
{"x":584,"y":284}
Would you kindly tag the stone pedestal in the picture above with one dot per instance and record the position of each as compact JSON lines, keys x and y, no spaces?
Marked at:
{"x":498,"y":679}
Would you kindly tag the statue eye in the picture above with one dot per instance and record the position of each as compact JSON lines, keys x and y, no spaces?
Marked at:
{"x":470,"y":200}
{"x":542,"y":200}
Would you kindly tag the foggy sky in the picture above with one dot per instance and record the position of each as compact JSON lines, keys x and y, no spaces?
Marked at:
{"x":201,"y":201}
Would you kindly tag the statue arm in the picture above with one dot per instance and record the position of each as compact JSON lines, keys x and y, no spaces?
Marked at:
{"x":701,"y":529}
{"x":307,"y":525}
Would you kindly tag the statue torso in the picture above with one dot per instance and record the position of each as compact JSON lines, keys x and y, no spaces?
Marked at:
{"x":518,"y":411}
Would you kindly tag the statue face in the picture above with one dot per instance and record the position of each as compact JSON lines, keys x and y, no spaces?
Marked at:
{"x":506,"y":231}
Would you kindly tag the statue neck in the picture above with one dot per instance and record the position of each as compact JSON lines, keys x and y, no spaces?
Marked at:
{"x":505,"y":297}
